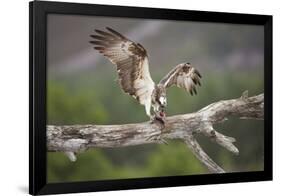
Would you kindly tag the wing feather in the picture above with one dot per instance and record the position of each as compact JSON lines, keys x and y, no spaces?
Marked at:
{"x":131,"y":61}
{"x":184,"y":76}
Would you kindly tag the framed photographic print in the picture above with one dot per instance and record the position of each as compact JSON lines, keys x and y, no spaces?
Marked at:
{"x":130,"y":97}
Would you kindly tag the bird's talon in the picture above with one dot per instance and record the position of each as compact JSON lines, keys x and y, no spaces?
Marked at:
{"x":158,"y":120}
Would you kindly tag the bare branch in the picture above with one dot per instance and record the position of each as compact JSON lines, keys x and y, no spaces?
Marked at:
{"x":202,"y":156}
{"x":224,"y":141}
{"x":73,"y":139}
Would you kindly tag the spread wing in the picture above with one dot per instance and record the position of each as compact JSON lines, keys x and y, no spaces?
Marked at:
{"x":131,"y":61}
{"x":184,"y":76}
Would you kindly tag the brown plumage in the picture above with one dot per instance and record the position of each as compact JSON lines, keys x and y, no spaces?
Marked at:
{"x":130,"y":58}
{"x":184,"y":76}
{"x":133,"y":70}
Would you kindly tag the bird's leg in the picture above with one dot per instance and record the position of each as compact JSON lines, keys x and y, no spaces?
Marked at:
{"x":155,"y":119}
{"x":159,"y":115}
{"x":158,"y":118}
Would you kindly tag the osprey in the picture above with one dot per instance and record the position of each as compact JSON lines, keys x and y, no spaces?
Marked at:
{"x":133,"y":72}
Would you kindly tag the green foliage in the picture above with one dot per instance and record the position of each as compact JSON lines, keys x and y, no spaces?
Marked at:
{"x":173,"y":159}
{"x":65,"y":107}
{"x":90,"y":165}
{"x":94,"y":165}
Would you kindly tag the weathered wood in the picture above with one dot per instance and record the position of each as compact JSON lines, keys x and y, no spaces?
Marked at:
{"x":73,"y":139}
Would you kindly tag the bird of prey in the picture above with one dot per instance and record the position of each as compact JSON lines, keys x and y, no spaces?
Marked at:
{"x":132,"y":65}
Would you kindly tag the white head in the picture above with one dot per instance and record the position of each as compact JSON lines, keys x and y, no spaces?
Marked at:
{"x":163,"y":100}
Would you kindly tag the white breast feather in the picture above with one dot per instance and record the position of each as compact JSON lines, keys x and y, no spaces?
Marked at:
{"x":162,"y":100}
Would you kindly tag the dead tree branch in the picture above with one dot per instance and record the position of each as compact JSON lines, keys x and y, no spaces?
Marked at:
{"x":73,"y":139}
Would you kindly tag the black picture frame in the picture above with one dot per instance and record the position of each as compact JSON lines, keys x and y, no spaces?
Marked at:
{"x":38,"y":11}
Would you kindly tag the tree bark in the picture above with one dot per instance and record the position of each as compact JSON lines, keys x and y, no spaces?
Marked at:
{"x":73,"y":139}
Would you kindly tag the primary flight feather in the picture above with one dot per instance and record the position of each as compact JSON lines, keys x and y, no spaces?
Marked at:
{"x":133,"y":71}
